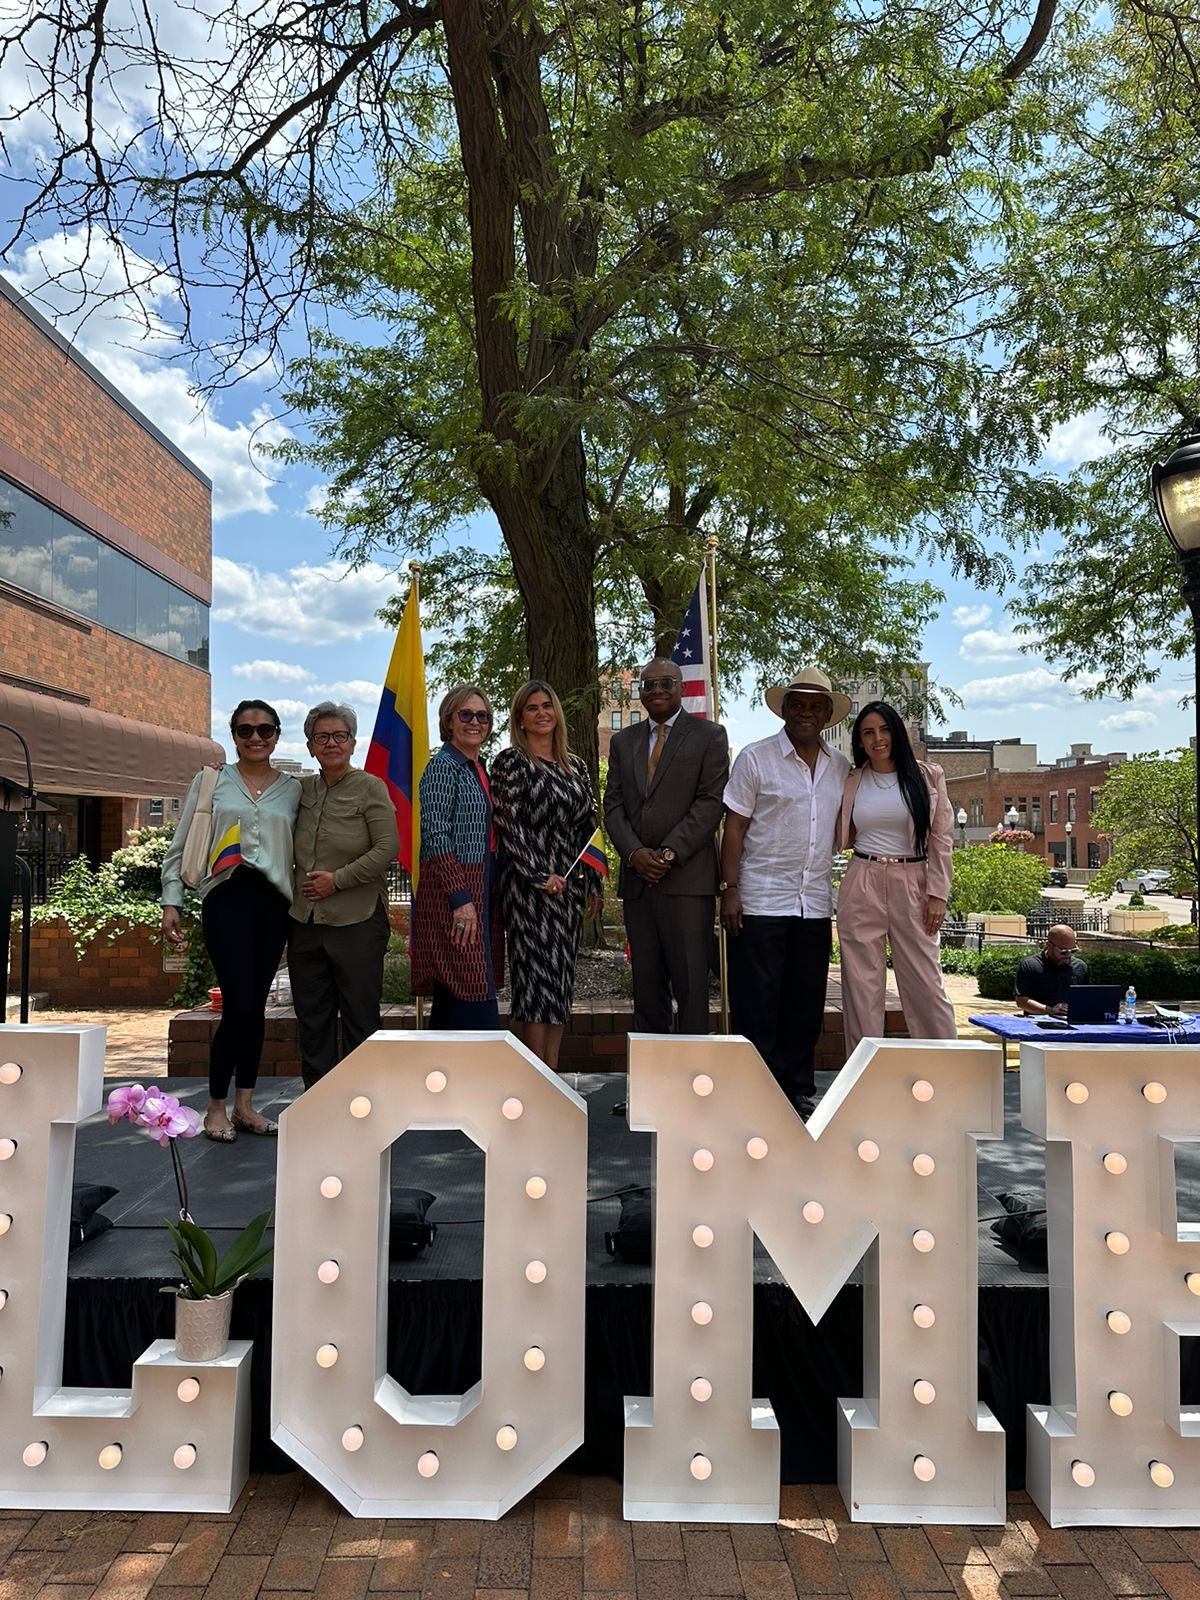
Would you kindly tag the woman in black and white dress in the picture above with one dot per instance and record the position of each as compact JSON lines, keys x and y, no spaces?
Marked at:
{"x":545,"y":813}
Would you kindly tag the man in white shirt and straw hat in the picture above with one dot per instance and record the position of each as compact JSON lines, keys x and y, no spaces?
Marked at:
{"x":782,"y":803}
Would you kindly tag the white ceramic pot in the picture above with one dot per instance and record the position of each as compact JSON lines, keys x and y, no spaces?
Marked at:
{"x":202,"y":1327}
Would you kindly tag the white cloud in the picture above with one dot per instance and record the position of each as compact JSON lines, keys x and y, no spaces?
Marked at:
{"x":971,"y":616}
{"x":1035,"y":690}
{"x":130,"y":336}
{"x":986,"y":644}
{"x":356,"y":690}
{"x":1078,"y":440}
{"x":272,"y":671}
{"x":1130,"y":720}
{"x":306,"y":605}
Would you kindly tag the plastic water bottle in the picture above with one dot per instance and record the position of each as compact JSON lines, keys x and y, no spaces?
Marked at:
{"x":1129,"y":1010}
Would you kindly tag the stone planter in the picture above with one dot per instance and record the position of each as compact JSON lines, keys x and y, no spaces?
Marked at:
{"x":1011,"y":927}
{"x":202,"y":1327}
{"x":1135,"y":919}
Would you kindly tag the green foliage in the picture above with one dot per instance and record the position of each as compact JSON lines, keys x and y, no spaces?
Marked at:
{"x":1156,"y":974}
{"x":397,"y":978}
{"x":204,"y":1276}
{"x":1136,"y":901}
{"x":962,"y":961}
{"x":991,"y":877}
{"x":1174,"y":933}
{"x":1147,"y":810}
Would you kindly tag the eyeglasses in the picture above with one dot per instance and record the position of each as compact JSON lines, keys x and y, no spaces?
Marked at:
{"x":474,"y":716}
{"x":340,"y":737}
{"x":659,"y":683}
{"x":1064,"y":948}
{"x":256,"y":730}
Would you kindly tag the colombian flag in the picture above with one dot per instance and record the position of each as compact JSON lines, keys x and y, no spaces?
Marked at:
{"x":593,"y":854}
{"x":400,"y":743}
{"x":227,"y":852}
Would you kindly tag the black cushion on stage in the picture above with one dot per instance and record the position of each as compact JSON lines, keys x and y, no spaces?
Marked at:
{"x":87,"y":1220}
{"x":1024,"y":1225}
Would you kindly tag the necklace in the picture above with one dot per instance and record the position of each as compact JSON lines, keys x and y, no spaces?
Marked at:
{"x":875,"y":779}
{"x":257,"y":789}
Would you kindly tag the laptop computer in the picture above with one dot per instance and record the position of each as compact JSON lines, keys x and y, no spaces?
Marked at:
{"x":1093,"y":1002}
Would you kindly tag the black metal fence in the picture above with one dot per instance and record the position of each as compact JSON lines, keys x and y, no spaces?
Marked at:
{"x":399,"y":885}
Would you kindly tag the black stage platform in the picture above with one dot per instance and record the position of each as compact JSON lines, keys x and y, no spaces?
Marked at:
{"x":114,"y":1308}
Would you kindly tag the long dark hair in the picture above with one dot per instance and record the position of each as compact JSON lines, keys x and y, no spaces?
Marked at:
{"x":912,"y":784}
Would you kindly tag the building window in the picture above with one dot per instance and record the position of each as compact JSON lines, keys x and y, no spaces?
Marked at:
{"x":1058,"y":853}
{"x":634,"y":716}
{"x":854,"y":708}
{"x":616,"y":720}
{"x":174,"y":808}
{"x":1035,"y":816}
{"x":1054,"y":807}
{"x":977,"y":813}
{"x":1070,"y":805}
{"x":46,"y":554}
{"x":1093,"y":853}
{"x":156,"y":810}
{"x":615,"y":691}
{"x":1093,"y":804}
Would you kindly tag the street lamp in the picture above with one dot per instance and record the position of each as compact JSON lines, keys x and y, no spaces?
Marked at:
{"x":1175,"y":485}
{"x":961,"y":819}
{"x":1011,"y":817}
{"x":1069,"y":829}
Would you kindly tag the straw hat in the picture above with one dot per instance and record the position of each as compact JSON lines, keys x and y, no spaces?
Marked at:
{"x":810,"y":681}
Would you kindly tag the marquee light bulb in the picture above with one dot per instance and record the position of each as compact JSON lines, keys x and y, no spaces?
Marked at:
{"x":1193,"y":1282}
{"x":535,"y":1188}
{"x":110,"y":1457}
{"x":1154,"y":1092}
{"x":428,"y":1464}
{"x":702,"y":1160}
{"x":756,"y":1148}
{"x":10,"y":1071}
{"x":1115,"y":1163}
{"x":702,"y":1313}
{"x":702,"y":1235}
{"x":185,"y":1457}
{"x":868,"y":1150}
{"x":8,"y":1149}
{"x":702,"y":1085}
{"x":188,"y":1391}
{"x":701,"y":1390}
{"x":1161,"y":1475}
{"x":1119,"y":1321}
{"x":924,"y":1392}
{"x":5,"y":1223}
{"x":512,"y":1108}
{"x":360,"y":1106}
{"x":1083,"y":1474}
{"x":813,"y":1211}
{"x":1118,"y":1243}
{"x":435,"y":1082}
{"x":1076,"y":1093}
{"x":923,"y":1469}
{"x":3,"y":1298}
{"x":1119,"y":1403}
{"x":352,"y":1439}
{"x":923,"y":1165}
{"x":924,"y":1316}
{"x":535,"y":1271}
{"x":331,"y":1187}
{"x":534,"y":1358}
{"x":329,"y":1272}
{"x":506,"y":1437}
{"x":701,"y":1467}
{"x":922,"y":1090}
{"x":923,"y":1241}
{"x":34,"y":1454}
{"x":327,"y":1355}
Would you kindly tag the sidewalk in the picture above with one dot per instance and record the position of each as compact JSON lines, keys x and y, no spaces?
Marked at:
{"x":287,"y":1540}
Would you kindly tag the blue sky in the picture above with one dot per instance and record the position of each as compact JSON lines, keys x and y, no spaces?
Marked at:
{"x":292,"y":625}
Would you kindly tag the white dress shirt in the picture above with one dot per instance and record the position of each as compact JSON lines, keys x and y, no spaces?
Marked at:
{"x":786,"y":868}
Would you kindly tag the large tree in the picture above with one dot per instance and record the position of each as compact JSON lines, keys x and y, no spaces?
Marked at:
{"x":632,"y":275}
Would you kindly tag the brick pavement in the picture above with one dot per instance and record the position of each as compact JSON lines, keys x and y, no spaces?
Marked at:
{"x":287,"y":1540}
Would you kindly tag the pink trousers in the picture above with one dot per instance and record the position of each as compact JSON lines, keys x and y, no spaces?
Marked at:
{"x":878,"y":901}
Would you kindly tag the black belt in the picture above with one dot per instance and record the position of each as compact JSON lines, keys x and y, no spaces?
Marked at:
{"x":891,"y":861}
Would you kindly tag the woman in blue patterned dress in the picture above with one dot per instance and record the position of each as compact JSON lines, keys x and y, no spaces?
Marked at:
{"x":457,"y":942}
{"x":545,"y":814}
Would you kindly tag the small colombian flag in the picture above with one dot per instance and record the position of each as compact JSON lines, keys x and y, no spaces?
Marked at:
{"x":593,"y":854}
{"x":227,"y":852}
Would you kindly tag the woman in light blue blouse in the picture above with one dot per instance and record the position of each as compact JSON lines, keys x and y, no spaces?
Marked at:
{"x":246,"y":898}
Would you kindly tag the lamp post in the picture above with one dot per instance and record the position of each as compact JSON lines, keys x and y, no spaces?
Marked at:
{"x":1175,"y":485}
{"x":1011,"y":817}
{"x":961,"y":819}
{"x":1069,"y":829}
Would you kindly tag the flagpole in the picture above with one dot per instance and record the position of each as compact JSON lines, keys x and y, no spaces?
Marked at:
{"x":710,"y":550}
{"x":414,"y":568}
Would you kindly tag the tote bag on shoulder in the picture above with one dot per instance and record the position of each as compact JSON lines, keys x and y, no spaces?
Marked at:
{"x":198,"y":843}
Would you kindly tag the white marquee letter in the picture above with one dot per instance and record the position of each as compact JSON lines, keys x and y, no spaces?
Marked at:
{"x":145,"y":1449}
{"x":1114,"y":1446}
{"x":886,"y":1166}
{"x":379,"y":1450}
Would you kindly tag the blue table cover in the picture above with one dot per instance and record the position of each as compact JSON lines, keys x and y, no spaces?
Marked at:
{"x":1026,"y":1029}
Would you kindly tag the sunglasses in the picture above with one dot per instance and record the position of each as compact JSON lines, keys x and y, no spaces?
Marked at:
{"x":256,"y":730}
{"x":474,"y":716}
{"x":659,"y":683}
{"x":341,"y":737}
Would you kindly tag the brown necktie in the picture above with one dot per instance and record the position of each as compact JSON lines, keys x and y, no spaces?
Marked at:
{"x":656,"y":750}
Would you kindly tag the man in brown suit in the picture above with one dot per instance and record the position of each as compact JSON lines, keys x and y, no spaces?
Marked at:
{"x":662,"y":806}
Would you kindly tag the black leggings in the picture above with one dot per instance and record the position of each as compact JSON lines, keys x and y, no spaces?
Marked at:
{"x":245,"y":923}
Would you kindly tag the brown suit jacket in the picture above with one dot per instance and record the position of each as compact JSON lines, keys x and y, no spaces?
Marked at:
{"x":681,"y":810}
{"x":940,"y":845}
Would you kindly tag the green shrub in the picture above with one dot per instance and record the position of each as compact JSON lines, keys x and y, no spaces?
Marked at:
{"x":991,"y":877}
{"x":965,"y":961}
{"x":1135,"y":901}
{"x":1174,"y":933}
{"x":1155,"y":974}
{"x":397,"y":979}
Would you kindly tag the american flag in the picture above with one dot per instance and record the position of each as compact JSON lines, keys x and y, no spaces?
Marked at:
{"x":691,"y":655}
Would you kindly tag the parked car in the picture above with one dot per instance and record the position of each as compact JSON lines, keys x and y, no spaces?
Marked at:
{"x":1058,"y":877}
{"x":1153,"y":882}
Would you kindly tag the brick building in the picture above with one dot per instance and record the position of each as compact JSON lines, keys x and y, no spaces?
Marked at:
{"x":105,"y":589}
{"x":619,"y":707}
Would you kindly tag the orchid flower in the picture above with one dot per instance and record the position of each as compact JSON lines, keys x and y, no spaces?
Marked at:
{"x":165,"y":1119}
{"x":126,"y":1102}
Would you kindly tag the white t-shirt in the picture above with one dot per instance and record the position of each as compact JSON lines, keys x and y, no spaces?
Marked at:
{"x":882,"y":823}
{"x":787,"y":861}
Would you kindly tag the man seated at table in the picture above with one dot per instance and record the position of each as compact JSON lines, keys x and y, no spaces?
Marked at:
{"x":1043,"y":980}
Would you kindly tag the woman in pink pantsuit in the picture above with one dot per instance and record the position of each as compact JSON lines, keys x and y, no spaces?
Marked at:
{"x":896,"y":818}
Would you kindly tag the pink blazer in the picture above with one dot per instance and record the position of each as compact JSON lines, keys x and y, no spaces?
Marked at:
{"x":940,"y":846}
